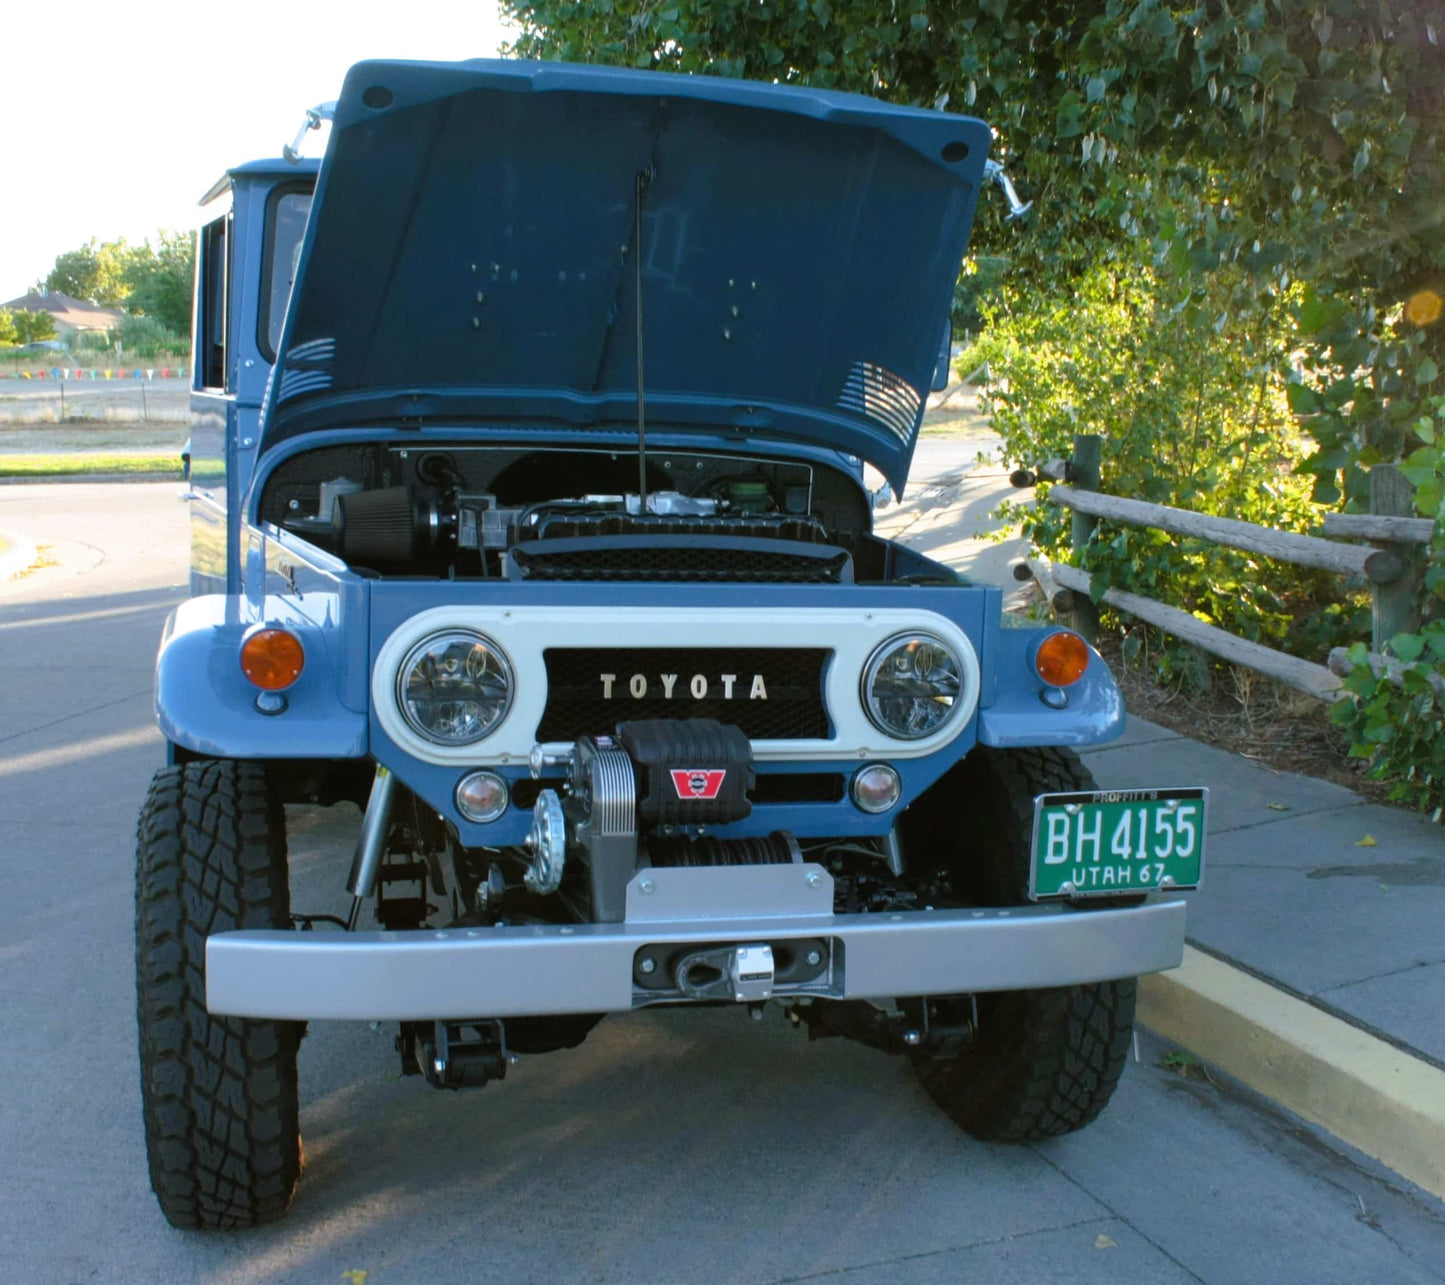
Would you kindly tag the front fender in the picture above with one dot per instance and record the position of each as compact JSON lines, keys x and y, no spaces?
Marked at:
{"x":1015,"y":714}
{"x":204,"y":703}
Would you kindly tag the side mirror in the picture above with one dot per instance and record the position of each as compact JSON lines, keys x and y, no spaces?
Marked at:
{"x":944,"y":369}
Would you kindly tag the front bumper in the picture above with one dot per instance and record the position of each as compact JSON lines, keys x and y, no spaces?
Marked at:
{"x":531,"y":970}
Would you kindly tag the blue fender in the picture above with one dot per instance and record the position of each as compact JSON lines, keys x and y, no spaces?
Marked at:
{"x":204,"y":703}
{"x":1014,"y":713}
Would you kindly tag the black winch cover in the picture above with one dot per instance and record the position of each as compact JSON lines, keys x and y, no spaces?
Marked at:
{"x":692,"y":771}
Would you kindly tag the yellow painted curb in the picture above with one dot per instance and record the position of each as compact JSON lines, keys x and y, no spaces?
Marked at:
{"x":1386,"y":1103}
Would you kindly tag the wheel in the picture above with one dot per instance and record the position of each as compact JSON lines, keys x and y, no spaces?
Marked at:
{"x":1043,"y":1062}
{"x":218,"y":1094}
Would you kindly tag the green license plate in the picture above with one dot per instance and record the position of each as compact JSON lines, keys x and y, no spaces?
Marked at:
{"x":1107,"y":842}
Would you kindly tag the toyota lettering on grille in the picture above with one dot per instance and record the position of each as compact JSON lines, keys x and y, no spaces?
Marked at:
{"x":699,"y":687}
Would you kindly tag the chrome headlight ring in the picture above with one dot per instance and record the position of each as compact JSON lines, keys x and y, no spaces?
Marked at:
{"x":912,"y":685}
{"x":455,"y":687}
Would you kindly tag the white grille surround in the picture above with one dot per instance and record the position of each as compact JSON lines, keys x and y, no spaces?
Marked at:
{"x":523,"y":633}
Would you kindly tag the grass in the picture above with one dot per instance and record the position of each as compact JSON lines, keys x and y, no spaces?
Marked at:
{"x":72,"y":463}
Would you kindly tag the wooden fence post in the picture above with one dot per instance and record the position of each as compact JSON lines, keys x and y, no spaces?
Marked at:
{"x":1088,"y":449}
{"x":1395,"y":609}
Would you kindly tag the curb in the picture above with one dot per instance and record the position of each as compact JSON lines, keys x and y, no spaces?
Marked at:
{"x":1366,"y":1092}
{"x":19,"y":554}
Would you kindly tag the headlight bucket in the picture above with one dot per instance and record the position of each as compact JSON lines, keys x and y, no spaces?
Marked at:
{"x":455,"y":687}
{"x":911,"y":685}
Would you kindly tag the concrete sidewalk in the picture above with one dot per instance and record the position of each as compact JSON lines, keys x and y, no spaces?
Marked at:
{"x":1339,"y":901}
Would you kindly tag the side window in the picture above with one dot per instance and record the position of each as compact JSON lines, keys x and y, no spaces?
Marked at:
{"x":214,"y":310}
{"x":286,"y":213}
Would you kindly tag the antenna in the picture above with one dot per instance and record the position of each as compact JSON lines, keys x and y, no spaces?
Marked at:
{"x":644,"y":177}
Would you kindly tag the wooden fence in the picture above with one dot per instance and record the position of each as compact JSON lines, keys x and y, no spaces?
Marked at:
{"x":1392,"y":564}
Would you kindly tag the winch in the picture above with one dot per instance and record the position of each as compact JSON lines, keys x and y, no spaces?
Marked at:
{"x":650,"y":785}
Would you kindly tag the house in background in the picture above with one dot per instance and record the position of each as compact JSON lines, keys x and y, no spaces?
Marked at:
{"x":71,"y":316}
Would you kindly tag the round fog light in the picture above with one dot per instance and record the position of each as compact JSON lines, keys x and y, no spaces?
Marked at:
{"x":876,"y":788}
{"x":481,"y":797}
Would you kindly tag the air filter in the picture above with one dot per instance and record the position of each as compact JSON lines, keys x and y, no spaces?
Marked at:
{"x":387,"y":529}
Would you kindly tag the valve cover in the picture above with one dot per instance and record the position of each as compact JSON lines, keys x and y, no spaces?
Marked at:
{"x":693,"y":771}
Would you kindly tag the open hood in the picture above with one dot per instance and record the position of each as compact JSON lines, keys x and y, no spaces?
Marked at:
{"x":469,"y":259}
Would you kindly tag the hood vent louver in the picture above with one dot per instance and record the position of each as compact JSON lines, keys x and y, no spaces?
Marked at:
{"x":884,"y":397}
{"x":302,"y":374}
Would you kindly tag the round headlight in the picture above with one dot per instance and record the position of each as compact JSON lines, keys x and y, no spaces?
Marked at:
{"x":454,"y":688}
{"x":911,"y":686}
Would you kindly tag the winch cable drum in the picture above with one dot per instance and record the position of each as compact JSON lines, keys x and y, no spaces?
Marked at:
{"x":776,"y":849}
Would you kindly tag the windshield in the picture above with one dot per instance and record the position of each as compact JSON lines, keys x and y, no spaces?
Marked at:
{"x":286,"y":225}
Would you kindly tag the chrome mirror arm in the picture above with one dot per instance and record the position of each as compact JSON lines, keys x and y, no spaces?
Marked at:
{"x":314,"y":117}
{"x":1016,"y":208}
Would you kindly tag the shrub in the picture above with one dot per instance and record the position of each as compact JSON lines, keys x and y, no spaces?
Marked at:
{"x":149,"y":337}
{"x":1399,"y":730}
{"x":1191,"y":400}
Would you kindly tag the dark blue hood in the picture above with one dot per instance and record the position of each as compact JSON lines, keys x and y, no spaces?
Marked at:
{"x":468,"y":261}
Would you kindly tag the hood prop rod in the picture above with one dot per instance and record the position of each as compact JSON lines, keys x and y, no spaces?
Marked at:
{"x":644,"y":177}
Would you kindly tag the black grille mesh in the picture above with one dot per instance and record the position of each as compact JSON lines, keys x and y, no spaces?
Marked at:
{"x":792,"y":676}
{"x":698,"y":562}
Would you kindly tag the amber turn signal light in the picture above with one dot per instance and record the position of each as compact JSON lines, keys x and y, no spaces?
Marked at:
{"x":1062,"y":658}
{"x":272,"y":659}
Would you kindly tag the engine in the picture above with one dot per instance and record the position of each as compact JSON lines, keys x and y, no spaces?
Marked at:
{"x":493,"y":513}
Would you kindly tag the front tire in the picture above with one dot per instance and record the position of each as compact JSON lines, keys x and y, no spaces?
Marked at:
{"x":219,"y":1094}
{"x":1043,"y":1062}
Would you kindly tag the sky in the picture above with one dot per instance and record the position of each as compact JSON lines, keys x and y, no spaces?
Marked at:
{"x":120,"y":117}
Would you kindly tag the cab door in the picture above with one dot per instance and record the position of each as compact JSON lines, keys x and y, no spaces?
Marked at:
{"x":213,"y":405}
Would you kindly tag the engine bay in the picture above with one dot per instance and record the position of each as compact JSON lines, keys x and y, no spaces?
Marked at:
{"x":465,"y":512}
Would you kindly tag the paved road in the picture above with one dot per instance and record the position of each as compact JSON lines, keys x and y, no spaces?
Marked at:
{"x":686,"y":1147}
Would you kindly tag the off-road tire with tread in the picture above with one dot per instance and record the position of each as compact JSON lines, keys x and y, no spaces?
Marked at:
{"x":219,"y":1094}
{"x":1043,"y":1062}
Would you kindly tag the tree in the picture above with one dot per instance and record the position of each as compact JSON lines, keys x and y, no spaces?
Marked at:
{"x":7,"y":328}
{"x":94,"y":272}
{"x":30,"y":327}
{"x":160,"y":280}
{"x":151,"y":280}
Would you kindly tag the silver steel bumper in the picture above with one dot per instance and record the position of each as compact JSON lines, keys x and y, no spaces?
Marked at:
{"x":588,"y":968}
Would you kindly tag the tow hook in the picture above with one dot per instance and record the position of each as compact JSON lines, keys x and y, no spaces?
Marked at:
{"x":741,"y":973}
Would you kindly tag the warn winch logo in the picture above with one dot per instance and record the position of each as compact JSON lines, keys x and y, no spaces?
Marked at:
{"x":698,"y":783}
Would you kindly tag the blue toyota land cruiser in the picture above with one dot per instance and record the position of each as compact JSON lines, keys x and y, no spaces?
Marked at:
{"x":528,"y":515}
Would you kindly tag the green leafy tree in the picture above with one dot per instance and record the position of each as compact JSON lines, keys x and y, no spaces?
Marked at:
{"x":152,"y":280}
{"x":30,"y":327}
{"x":159,"y":277}
{"x":7,"y":328}
{"x":94,"y":272}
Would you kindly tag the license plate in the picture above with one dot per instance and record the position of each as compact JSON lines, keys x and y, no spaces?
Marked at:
{"x":1106,"y":842}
